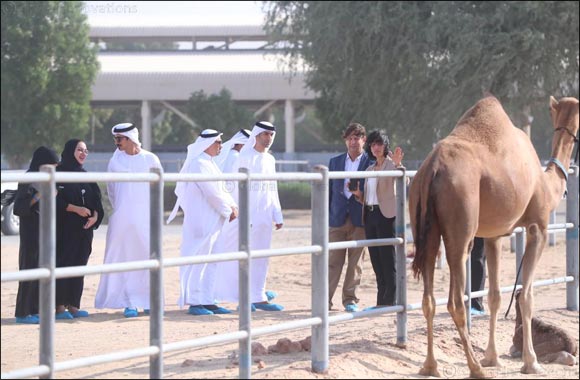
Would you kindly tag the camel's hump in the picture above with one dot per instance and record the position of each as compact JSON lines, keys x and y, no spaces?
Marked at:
{"x":486,"y":122}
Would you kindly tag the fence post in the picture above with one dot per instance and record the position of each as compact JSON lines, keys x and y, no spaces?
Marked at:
{"x":552,"y":235}
{"x":401,"y":259}
{"x":245,"y":267}
{"x":572,"y":241}
{"x":47,"y":259}
{"x":156,"y":275}
{"x":319,"y":206}
{"x":468,"y":290}
{"x":520,"y":249}
{"x":441,"y":258}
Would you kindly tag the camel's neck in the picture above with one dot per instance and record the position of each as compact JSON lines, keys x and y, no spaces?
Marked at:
{"x":555,"y":172}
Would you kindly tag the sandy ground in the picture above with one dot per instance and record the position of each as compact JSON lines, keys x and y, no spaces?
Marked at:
{"x":362,"y":348}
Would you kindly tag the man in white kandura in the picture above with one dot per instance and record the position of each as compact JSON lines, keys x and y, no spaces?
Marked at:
{"x":264,"y":210}
{"x":128,"y":232}
{"x":207,"y":207}
{"x":227,"y":160}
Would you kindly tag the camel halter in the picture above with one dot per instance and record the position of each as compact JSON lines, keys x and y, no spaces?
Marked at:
{"x":557,"y":162}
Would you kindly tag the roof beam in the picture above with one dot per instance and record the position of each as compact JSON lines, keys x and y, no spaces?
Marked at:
{"x":183,"y":116}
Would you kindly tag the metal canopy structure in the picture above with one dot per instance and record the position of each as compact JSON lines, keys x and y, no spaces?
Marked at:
{"x":173,"y":76}
{"x":250,"y":74}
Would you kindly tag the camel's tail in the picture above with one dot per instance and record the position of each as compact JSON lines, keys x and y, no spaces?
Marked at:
{"x":424,"y":218}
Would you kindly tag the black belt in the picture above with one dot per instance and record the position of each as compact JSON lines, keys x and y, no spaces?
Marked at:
{"x":372,"y":207}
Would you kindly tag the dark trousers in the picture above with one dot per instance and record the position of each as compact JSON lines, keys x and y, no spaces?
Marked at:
{"x":477,"y":272}
{"x":382,"y":258}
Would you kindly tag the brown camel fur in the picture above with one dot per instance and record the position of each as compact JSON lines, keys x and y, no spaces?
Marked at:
{"x":485,"y":179}
{"x":551,"y":343}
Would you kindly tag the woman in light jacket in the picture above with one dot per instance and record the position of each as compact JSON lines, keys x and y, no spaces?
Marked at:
{"x":379,"y":211}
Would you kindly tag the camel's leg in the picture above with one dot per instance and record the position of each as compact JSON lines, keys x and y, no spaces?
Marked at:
{"x":456,"y":258}
{"x":492,"y":249}
{"x":536,"y":239}
{"x":432,"y":246}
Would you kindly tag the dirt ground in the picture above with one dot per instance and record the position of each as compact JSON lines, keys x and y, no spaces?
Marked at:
{"x":361,"y":348}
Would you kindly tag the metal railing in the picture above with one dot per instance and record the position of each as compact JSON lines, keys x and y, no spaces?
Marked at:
{"x":319,"y":321}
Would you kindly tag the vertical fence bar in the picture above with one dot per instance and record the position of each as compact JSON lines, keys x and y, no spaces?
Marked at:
{"x":468,"y":289}
{"x":552,"y":235}
{"x":572,"y":240}
{"x":156,"y":275}
{"x":319,"y":206}
{"x":245,"y":276}
{"x":401,"y":259}
{"x":520,"y":249}
{"x":47,"y":259}
{"x":441,"y":258}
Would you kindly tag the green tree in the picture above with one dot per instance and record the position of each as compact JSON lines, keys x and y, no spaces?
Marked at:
{"x":413,"y":68}
{"x":48,"y":66}
{"x":215,"y":111}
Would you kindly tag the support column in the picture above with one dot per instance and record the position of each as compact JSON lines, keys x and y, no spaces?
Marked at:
{"x":289,"y":123}
{"x":571,"y":240}
{"x":146,"y":134}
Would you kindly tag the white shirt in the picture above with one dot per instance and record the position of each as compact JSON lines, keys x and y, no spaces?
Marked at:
{"x":371,"y":192}
{"x":350,"y":166}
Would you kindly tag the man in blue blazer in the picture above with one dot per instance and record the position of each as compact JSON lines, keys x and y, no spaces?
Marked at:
{"x":346,"y":218}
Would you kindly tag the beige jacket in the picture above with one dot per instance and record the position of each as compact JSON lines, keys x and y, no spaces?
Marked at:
{"x":386,"y":190}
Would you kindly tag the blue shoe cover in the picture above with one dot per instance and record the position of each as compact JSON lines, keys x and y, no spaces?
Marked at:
{"x":80,"y":314}
{"x":474,"y":311}
{"x":270,"y":294}
{"x":29,"y":320}
{"x":269,"y":306}
{"x":351,"y":307}
{"x":130,"y":312}
{"x":64,"y":315}
{"x":199,"y":310}
{"x":217,"y":309}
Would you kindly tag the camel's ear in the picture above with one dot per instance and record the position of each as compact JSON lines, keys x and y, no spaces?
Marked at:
{"x":553,"y":103}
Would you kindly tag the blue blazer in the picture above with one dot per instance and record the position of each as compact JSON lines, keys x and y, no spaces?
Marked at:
{"x":339,"y":206}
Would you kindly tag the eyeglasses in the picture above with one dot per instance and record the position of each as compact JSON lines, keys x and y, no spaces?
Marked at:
{"x":120,"y":138}
{"x":85,"y":151}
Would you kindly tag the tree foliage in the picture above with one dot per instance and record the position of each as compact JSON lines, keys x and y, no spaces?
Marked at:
{"x":48,"y":66}
{"x":215,"y":111}
{"x":413,"y":68}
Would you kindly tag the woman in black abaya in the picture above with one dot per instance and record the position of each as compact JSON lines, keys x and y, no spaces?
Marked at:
{"x":26,"y":207}
{"x":79,"y":212}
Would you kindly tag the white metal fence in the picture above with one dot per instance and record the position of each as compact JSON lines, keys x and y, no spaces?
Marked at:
{"x":319,"y":320}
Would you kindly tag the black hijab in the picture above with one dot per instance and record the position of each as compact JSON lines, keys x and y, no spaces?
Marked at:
{"x":42,"y":156}
{"x":68,"y":162}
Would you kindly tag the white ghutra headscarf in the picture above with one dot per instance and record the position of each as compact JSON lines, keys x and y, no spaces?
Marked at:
{"x":259,"y":127}
{"x":239,"y":138}
{"x":128,"y":130}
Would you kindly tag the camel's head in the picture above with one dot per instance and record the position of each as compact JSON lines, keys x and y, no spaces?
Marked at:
{"x":565,"y":114}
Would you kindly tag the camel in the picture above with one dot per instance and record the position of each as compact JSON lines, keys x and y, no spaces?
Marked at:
{"x":551,"y":343}
{"x":485,"y":179}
